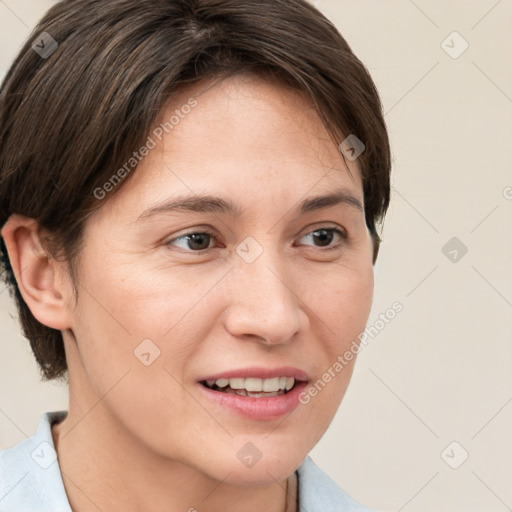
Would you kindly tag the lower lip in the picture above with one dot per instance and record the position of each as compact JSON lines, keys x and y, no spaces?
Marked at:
{"x":271,"y":408}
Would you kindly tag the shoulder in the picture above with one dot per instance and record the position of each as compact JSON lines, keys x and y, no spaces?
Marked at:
{"x":30,"y":478}
{"x":317,"y":491}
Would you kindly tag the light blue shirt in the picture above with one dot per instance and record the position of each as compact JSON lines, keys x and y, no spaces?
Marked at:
{"x":31,"y":481}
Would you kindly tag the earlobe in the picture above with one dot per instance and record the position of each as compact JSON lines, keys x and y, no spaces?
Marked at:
{"x":36,"y":272}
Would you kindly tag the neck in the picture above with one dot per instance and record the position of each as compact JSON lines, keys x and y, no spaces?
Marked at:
{"x":105,"y":468}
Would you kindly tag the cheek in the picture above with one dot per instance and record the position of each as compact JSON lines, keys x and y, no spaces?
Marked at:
{"x":343,"y":301}
{"x":132,"y":319}
{"x":136,"y":371}
{"x":127,"y":303}
{"x":342,"y":306}
{"x":118,"y":326}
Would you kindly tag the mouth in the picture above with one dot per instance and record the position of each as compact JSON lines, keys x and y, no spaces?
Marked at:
{"x":259,"y":393}
{"x":253,"y":387}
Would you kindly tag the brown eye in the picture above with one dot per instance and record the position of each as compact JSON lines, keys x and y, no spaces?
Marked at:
{"x":194,"y":242}
{"x":323,"y":237}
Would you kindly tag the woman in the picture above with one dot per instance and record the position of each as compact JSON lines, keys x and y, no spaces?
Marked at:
{"x":189,"y":196}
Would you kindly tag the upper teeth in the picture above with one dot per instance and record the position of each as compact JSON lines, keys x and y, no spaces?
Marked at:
{"x":255,"y":384}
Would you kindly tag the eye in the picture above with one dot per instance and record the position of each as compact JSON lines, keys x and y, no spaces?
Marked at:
{"x":200,"y":240}
{"x":324,"y":236}
{"x":194,"y":242}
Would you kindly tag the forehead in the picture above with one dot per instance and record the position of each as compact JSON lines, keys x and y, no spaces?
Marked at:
{"x":241,"y":135}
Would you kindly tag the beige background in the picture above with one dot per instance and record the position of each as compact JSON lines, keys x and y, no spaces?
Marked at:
{"x":441,"y":371}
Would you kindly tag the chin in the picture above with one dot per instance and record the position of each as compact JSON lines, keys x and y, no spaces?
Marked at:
{"x":260,"y":475}
{"x":252,"y":466}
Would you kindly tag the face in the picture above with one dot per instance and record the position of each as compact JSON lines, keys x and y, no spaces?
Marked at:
{"x":171,"y":297}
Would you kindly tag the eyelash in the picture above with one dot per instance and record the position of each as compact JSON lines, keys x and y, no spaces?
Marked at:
{"x":343,"y":235}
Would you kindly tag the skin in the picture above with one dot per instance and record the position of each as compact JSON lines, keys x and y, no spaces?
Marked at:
{"x":143,"y":437}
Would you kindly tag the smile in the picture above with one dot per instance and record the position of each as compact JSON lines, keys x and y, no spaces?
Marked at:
{"x":258,"y":393}
{"x":252,"y":386}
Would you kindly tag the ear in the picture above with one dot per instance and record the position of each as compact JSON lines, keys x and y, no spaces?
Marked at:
{"x":44,"y":283}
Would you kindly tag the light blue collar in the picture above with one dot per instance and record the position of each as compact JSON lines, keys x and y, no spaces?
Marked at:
{"x":31,"y":481}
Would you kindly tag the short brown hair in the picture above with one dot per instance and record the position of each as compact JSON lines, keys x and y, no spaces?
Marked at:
{"x":68,"y":119}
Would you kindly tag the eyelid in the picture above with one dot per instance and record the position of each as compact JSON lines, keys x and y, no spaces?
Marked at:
{"x":325,"y":225}
{"x":341,"y":231}
{"x":194,"y":231}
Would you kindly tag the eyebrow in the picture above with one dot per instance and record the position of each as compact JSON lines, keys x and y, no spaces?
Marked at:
{"x":213,"y":204}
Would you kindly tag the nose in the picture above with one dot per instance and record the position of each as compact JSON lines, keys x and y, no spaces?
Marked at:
{"x":263,"y":304}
